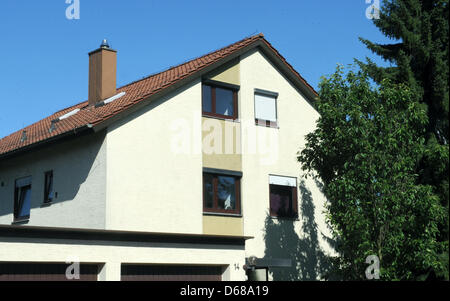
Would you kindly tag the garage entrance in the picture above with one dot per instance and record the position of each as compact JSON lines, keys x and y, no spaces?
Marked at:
{"x":132,"y":272}
{"x":13,"y":271}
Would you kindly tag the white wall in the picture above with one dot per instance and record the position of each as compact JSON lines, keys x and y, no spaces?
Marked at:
{"x":79,"y":171}
{"x":153,"y":185}
{"x":296,"y":118}
{"x":113,"y":254}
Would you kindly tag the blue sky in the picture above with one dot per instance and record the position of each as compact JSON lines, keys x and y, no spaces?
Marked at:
{"x":44,"y":56}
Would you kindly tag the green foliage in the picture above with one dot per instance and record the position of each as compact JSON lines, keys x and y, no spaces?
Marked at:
{"x":365,"y":151}
{"x":419,"y":56}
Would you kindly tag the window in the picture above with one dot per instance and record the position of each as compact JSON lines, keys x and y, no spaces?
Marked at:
{"x":221,"y":193}
{"x":48,"y":187}
{"x":283,"y":197}
{"x":219,"y":101}
{"x":22,"y":199}
{"x":265,"y":108}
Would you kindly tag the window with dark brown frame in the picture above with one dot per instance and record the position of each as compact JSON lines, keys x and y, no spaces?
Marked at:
{"x":48,"y":187}
{"x":22,"y":199}
{"x":219,"y":101}
{"x":283,"y":197}
{"x":221,"y":193}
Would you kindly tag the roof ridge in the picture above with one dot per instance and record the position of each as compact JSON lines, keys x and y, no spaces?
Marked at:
{"x":259,"y":35}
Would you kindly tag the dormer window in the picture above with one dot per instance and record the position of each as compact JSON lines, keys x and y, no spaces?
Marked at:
{"x":219,"y":100}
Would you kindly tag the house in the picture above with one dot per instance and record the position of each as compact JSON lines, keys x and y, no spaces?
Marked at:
{"x":187,"y":174}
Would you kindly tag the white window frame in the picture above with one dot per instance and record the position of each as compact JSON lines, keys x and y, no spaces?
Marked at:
{"x":265,"y":93}
{"x":283,"y":180}
{"x":286,"y":181}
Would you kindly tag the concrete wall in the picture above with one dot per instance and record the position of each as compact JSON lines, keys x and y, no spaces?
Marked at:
{"x":272,"y":151}
{"x":79,"y":172}
{"x":113,"y":254}
{"x":154,"y":179}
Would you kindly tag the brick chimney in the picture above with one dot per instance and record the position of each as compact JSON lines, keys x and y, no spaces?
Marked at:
{"x":102,"y":73}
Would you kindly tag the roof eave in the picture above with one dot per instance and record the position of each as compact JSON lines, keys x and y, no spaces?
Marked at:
{"x":65,"y":135}
{"x":307,"y":91}
{"x":111,"y":235}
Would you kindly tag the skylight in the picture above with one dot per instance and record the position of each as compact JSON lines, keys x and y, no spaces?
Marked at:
{"x":111,"y":99}
{"x":71,"y":113}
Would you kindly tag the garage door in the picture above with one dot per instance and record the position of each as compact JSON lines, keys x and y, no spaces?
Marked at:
{"x":171,"y":273}
{"x":44,"y":272}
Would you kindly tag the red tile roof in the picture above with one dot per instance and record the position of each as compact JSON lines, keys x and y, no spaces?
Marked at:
{"x":135,"y":93}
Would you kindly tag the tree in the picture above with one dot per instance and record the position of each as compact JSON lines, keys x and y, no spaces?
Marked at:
{"x":419,"y":58}
{"x":365,"y":151}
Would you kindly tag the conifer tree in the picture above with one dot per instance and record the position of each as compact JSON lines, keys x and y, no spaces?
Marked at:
{"x":418,"y":55}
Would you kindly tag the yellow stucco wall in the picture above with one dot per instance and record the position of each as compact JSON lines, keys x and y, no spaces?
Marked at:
{"x":222,"y":138}
{"x":221,"y":141}
{"x":223,"y":225}
{"x":228,"y":73}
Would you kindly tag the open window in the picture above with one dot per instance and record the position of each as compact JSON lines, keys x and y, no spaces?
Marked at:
{"x":22,"y":199}
{"x":48,"y":187}
{"x":221,"y":193}
{"x":283,"y":197}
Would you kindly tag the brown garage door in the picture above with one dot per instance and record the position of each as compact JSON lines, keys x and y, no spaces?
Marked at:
{"x":170,"y":273}
{"x":44,"y":272}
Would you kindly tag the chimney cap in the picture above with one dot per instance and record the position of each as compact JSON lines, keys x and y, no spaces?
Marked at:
{"x":104,"y":44}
